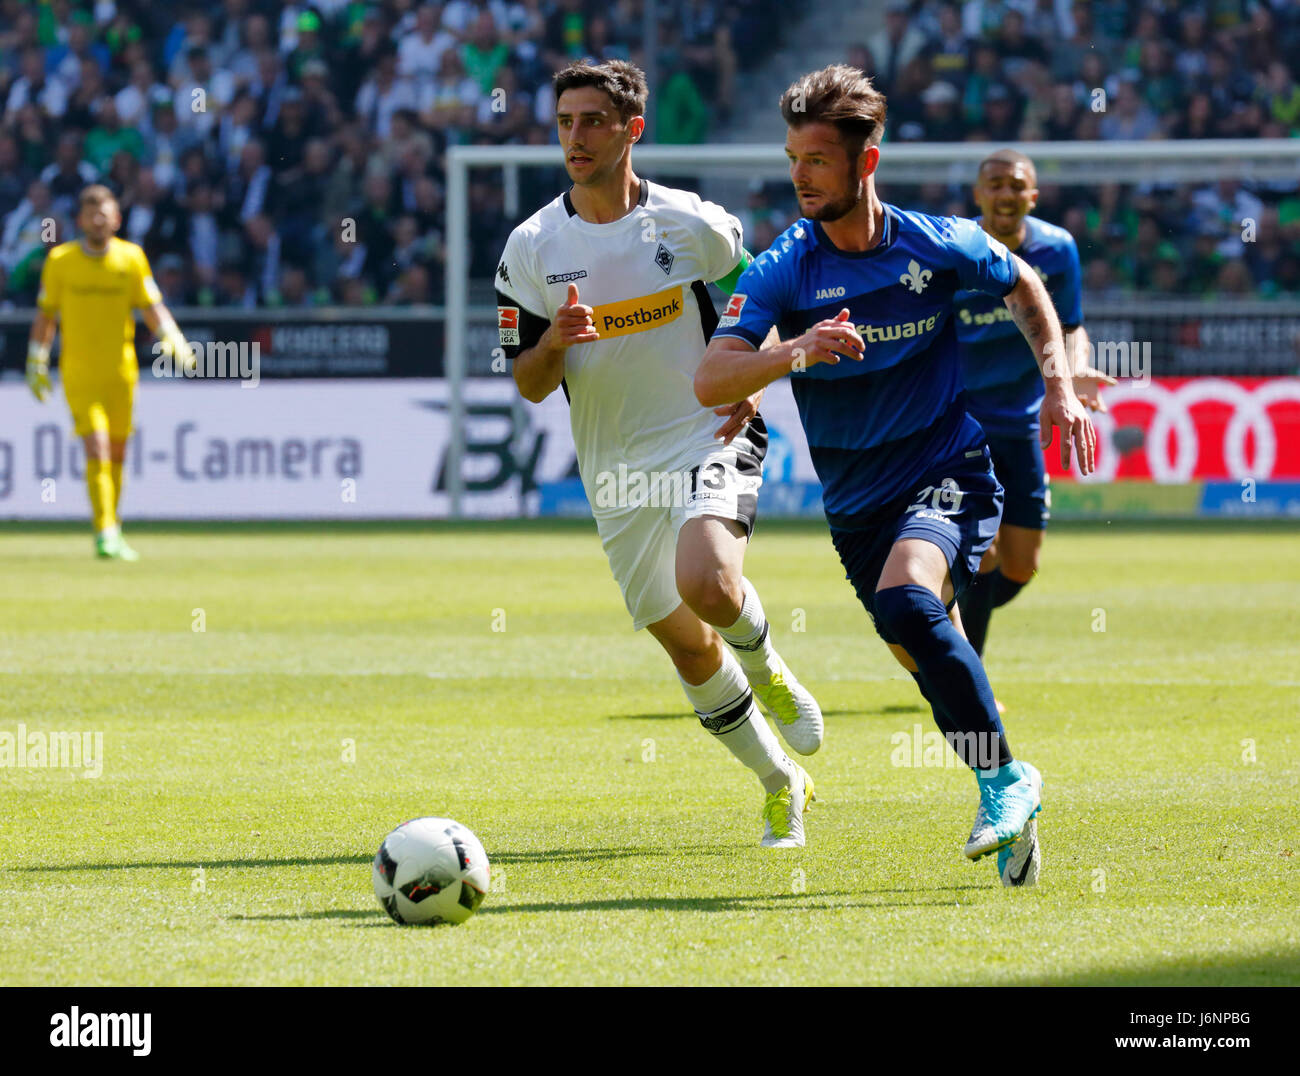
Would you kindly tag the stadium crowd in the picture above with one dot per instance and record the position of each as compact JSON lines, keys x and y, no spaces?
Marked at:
{"x":1007,"y":71}
{"x":242,"y":135}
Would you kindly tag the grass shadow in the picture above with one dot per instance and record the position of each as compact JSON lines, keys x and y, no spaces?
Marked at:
{"x":873,"y":898}
{"x":823,"y":901}
{"x":684,"y":715}
{"x":537,"y":855}
{"x":334,"y":913}
{"x":206,"y":864}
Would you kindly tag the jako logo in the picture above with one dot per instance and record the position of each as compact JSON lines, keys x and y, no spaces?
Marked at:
{"x":829,"y":293}
{"x":76,"y":1028}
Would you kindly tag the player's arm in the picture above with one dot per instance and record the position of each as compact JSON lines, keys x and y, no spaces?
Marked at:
{"x":539,"y":368}
{"x":48,"y":303}
{"x":733,"y":368}
{"x":738,"y":415}
{"x":164,"y":327}
{"x":728,"y":283}
{"x":1031,"y":307}
{"x":1087,"y":380}
{"x":38,"y":355}
{"x":1069,"y":307}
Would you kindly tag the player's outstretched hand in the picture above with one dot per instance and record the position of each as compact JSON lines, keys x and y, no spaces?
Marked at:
{"x":573,"y":322}
{"x":827,"y":341}
{"x":1067,"y":413}
{"x":182,"y":354}
{"x":38,"y":376}
{"x":1087,"y":386}
{"x":739,"y":415}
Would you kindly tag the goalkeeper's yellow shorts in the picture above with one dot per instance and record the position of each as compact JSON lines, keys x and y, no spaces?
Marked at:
{"x":102,"y":404}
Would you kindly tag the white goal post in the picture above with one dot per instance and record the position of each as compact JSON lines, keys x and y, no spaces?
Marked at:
{"x":1072,"y":163}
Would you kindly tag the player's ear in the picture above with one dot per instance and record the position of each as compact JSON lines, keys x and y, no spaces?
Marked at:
{"x":868,"y":161}
{"x":636,"y":128}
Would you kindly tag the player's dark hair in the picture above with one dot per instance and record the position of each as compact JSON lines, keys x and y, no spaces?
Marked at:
{"x":623,"y":82}
{"x":93,"y":195}
{"x":841,"y":96}
{"x":1008,"y":156}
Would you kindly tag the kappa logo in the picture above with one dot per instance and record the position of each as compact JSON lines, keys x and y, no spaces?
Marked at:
{"x":731,"y":316}
{"x":508,"y":325}
{"x":564,"y":278}
{"x":664,"y":258}
{"x":830,"y":293}
{"x":915,"y":278}
{"x":503,"y":273}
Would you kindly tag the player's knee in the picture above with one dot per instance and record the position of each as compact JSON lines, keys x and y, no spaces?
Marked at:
{"x":990,"y":559}
{"x":695,"y":659}
{"x":711,"y":596}
{"x":909,"y":614}
{"x":1020,"y":568}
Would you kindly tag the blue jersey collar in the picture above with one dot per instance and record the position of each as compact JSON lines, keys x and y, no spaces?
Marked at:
{"x":891,"y":233}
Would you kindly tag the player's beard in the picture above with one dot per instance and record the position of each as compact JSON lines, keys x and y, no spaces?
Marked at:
{"x":841,"y":207}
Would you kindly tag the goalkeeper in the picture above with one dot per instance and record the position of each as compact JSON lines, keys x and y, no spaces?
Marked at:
{"x":91,"y":285}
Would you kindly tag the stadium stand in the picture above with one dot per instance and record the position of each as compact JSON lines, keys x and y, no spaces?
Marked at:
{"x":239,"y":134}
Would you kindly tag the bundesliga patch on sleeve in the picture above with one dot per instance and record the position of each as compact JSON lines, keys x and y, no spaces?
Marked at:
{"x":731,"y":316}
{"x":508,"y":325}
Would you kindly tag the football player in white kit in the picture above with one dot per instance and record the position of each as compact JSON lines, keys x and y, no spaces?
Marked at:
{"x":602,"y":293}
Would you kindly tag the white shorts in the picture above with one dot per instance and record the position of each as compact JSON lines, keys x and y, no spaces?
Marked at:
{"x":641,"y":543}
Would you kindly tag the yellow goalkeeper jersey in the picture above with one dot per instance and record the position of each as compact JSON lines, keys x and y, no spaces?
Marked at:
{"x":93,"y":296}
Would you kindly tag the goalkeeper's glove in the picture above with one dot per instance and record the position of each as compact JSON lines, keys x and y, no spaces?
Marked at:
{"x":38,"y":370}
{"x":175,"y":342}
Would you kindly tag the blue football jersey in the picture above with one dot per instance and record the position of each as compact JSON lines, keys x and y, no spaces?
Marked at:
{"x":876,"y":427}
{"x":1004,"y":389}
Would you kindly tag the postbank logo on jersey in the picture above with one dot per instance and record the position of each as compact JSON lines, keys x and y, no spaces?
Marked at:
{"x":508,"y":325}
{"x":638,"y":315}
{"x":731,"y":316}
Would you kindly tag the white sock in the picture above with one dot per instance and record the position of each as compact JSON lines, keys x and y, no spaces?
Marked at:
{"x":749,"y":637}
{"x":725,"y":706}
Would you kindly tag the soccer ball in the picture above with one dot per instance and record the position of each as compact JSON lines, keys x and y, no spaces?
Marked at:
{"x":430,"y":870}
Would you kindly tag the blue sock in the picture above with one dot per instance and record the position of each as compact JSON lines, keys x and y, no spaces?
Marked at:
{"x":950,"y":670}
{"x":1004,"y":590}
{"x":945,"y":723}
{"x":976,"y":605}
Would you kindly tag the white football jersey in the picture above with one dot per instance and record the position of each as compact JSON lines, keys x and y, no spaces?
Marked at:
{"x":631,"y":393}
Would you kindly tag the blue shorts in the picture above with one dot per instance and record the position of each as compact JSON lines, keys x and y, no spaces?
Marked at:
{"x":1018,"y":463}
{"x":958,"y":508}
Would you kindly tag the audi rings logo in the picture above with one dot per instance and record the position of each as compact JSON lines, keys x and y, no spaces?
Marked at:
{"x":1173,"y":445}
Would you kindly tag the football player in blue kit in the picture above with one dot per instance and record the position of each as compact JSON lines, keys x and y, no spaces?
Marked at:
{"x":861,"y":293}
{"x":1004,"y":390}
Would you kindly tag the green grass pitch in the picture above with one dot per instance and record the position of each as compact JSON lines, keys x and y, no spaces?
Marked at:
{"x":349,"y":678}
